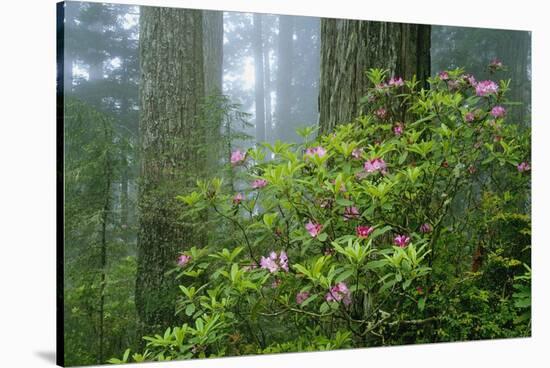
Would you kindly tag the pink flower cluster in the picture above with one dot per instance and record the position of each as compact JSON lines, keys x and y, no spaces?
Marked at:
{"x":237,"y":157}
{"x":381,"y":113}
{"x":443,"y":75}
{"x":259,"y":183}
{"x":275,"y":261}
{"x":398,"y":129}
{"x":363,"y":231}
{"x":301,"y":297}
{"x":498,"y":111}
{"x":396,"y":82}
{"x":183,"y":260}
{"x":469,"y":117}
{"x":313,"y":228}
{"x":339,"y":292}
{"x":401,"y":240}
{"x":486,"y":87}
{"x":523,"y":166}
{"x":374,"y":165}
{"x":319,"y":151}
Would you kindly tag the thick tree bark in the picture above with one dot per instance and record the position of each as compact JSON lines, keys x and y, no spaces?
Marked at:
{"x":351,"y":47}
{"x":171,"y":90}
{"x":259,"y":78}
{"x":284,"y":78}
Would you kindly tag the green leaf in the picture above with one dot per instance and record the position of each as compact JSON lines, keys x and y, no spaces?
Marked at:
{"x":190,"y":309}
{"x":421,"y":304}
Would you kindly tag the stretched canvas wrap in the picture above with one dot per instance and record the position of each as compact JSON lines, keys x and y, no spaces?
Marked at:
{"x":237,"y":183}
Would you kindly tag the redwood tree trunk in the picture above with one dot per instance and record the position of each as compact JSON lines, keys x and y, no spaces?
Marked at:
{"x":213,"y":51}
{"x":171,"y":90}
{"x":284,"y":79}
{"x":259,"y":78}
{"x":351,"y":47}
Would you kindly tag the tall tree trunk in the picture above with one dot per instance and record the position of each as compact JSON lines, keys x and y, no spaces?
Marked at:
{"x":267,"y":91}
{"x":213,"y":51}
{"x":284,"y":78}
{"x":516,"y":57}
{"x":171,"y":90}
{"x":259,"y":78}
{"x":350,"y":47}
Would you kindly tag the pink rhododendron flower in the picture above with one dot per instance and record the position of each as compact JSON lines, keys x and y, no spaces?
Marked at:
{"x":351,"y":213}
{"x":301,"y":297}
{"x":183,"y":260}
{"x":398,"y":129}
{"x":237,"y":157}
{"x":443,"y":75}
{"x":357,"y":153}
{"x":363,"y":231}
{"x":259,"y":183}
{"x":275,"y":261}
{"x":237,"y":198}
{"x":486,"y":87}
{"x":312,"y":151}
{"x":498,"y":111}
{"x":426,"y":228}
{"x":396,"y":82}
{"x":469,"y":117}
{"x":401,"y":240}
{"x":523,"y":166}
{"x":313,"y":229}
{"x":381,"y":113}
{"x":339,"y":292}
{"x":376,"y":164}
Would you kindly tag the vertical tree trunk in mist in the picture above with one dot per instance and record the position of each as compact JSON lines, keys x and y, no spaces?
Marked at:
{"x":516,"y":56}
{"x":284,"y":126}
{"x":213,"y":76}
{"x":213,"y":51}
{"x":171,"y":89}
{"x":267,"y":87}
{"x":350,"y":47}
{"x":259,"y":97}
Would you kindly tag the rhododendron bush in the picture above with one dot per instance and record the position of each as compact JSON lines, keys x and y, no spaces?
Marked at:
{"x":410,"y":224}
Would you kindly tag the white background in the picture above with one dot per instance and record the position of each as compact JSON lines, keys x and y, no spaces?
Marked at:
{"x":27,"y":181}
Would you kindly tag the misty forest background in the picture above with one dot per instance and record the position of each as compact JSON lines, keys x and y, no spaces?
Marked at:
{"x":250,"y":78}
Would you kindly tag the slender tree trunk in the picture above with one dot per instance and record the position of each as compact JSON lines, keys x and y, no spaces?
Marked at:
{"x":267,"y":91}
{"x":259,"y":78}
{"x":171,"y":90}
{"x":350,"y":47}
{"x":103,"y":258}
{"x":284,"y":79}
